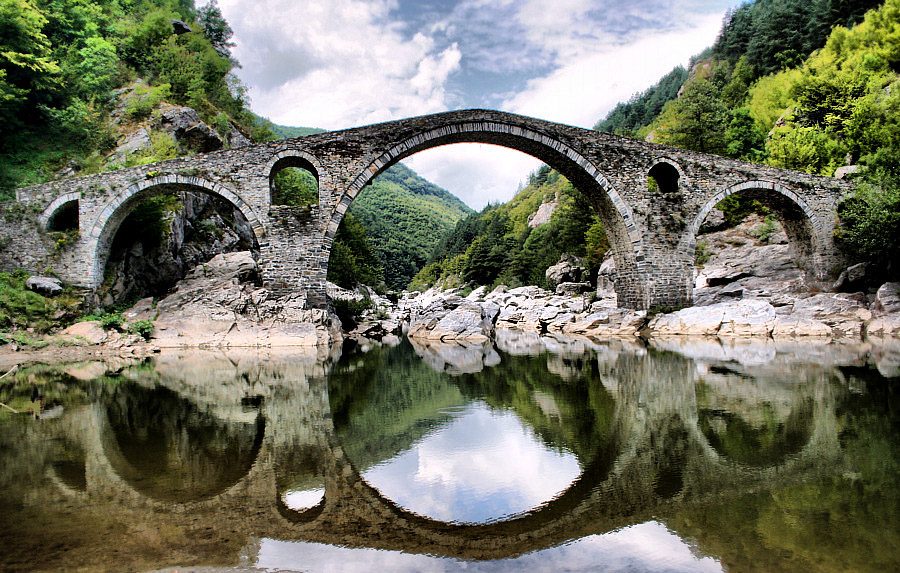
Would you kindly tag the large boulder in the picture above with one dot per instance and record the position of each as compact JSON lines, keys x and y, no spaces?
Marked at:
{"x":569,"y":269}
{"x":887,"y":299}
{"x":189,"y":130}
{"x":218,"y":304}
{"x":751,"y":317}
{"x":48,"y":286}
{"x":454,"y":318}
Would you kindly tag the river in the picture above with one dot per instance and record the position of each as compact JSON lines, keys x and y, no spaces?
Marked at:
{"x":527,"y":453}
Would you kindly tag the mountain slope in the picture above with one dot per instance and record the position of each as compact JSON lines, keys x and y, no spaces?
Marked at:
{"x":405,"y":216}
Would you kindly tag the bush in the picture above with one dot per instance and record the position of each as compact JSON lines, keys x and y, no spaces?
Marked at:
{"x":350,"y":310}
{"x":702,"y":254}
{"x":112,"y":321}
{"x":142,"y":327}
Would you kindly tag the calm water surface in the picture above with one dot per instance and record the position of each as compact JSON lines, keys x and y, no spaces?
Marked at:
{"x":531,"y":453}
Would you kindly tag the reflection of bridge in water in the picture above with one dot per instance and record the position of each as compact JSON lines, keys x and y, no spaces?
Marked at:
{"x":664,"y":453}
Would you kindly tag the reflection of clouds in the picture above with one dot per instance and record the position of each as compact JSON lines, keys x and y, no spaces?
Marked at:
{"x":299,"y":499}
{"x":645,"y":547}
{"x":482,"y":466}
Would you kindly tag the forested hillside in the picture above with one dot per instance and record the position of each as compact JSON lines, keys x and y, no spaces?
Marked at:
{"x":75,"y":76}
{"x":405,"y":216}
{"x":787,"y":83}
{"x":790,"y":84}
{"x":508,"y":244}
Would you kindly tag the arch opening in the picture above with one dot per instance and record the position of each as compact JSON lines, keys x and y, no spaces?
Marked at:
{"x":766,"y":228}
{"x":663,"y":177}
{"x":170,"y":449}
{"x":158,"y":233}
{"x":294,"y":182}
{"x":599,"y":195}
{"x":64,"y":218}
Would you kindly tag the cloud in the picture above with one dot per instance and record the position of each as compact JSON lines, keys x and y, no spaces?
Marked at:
{"x":476,"y":173}
{"x":337,"y":64}
{"x":584,"y":90}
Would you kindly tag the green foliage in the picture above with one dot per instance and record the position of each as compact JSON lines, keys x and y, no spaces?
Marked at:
{"x":352,"y":259}
{"x":112,"y":321}
{"x":744,"y":139}
{"x":764,"y":232}
{"x":141,"y":327}
{"x":405,"y":216}
{"x":702,"y":254}
{"x":216,"y":28}
{"x":643,"y":107}
{"x":697,"y":120}
{"x":804,"y":149}
{"x":21,"y":308}
{"x":295,"y":187}
{"x":145,"y":99}
{"x":736,"y":207}
{"x":498,"y":245}
{"x":349,"y":310}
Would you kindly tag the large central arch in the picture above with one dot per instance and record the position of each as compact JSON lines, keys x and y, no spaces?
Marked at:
{"x":615,"y":214}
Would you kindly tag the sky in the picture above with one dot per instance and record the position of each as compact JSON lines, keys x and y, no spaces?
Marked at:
{"x":336,"y":64}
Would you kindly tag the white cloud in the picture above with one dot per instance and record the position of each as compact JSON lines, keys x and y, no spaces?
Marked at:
{"x":336,"y":64}
{"x":583,"y":90}
{"x":476,"y":173}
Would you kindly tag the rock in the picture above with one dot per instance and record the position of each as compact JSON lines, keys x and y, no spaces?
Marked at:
{"x":569,"y":269}
{"x":791,"y":326}
{"x":573,"y":289}
{"x":237,"y":139}
{"x":213,"y":307}
{"x":48,"y":286}
{"x":852,"y":278}
{"x":714,"y":221}
{"x":543,"y":214}
{"x":846,"y":170}
{"x":142,"y":310}
{"x":185,"y":124}
{"x":751,"y":317}
{"x":606,"y":278}
{"x":457,"y":357}
{"x":608,"y":322}
{"x":883,"y":326}
{"x":887,"y":299}
{"x":180,"y":27}
{"x":89,"y":330}
{"x":454,"y":318}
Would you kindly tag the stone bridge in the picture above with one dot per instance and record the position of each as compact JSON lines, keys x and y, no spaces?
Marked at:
{"x":290,"y":433}
{"x":651,"y":228}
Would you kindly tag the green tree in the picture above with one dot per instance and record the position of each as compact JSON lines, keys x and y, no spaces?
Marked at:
{"x":28,"y":75}
{"x":216,"y":28}
{"x":697,"y":120}
{"x":352,"y":259}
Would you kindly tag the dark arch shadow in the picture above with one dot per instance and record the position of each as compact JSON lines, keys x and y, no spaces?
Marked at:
{"x":168,"y":449}
{"x":116,"y":211}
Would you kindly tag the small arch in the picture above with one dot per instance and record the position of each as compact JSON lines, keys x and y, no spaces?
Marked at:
{"x":104,"y":229}
{"x":62,"y":214}
{"x":300,"y":170}
{"x":667,"y":174}
{"x":799,"y":220}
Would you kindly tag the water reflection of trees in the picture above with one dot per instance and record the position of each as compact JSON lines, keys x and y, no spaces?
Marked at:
{"x":169,"y":449}
{"x":383,"y":404}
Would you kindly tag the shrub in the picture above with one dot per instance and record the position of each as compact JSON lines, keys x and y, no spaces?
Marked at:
{"x":349,"y":310}
{"x":112,"y":321}
{"x":702,"y":254}
{"x":142,"y":327}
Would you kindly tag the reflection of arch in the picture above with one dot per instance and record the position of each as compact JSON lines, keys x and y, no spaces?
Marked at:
{"x":800,"y":221}
{"x":614,"y":212}
{"x":104,"y":230}
{"x":299,"y":159}
{"x":166,"y":448}
{"x":46,"y":218}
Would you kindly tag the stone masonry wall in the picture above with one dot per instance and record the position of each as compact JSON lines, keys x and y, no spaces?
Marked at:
{"x":652,"y":232}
